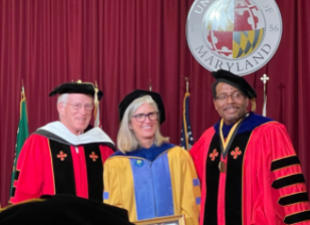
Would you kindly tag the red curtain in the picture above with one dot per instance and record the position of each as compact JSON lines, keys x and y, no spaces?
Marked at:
{"x":124,"y":45}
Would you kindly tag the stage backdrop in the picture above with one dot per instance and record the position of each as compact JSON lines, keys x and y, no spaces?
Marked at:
{"x":125,"y":44}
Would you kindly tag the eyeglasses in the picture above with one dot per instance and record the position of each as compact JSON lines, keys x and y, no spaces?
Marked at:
{"x":235,"y":96}
{"x":141,"y":116}
{"x":78,"y":106}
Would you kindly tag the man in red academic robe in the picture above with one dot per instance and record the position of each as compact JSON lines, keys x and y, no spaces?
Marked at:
{"x":62,"y":157}
{"x":249,"y":171}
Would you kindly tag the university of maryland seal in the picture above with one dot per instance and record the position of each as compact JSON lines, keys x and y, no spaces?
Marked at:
{"x":236,"y":35}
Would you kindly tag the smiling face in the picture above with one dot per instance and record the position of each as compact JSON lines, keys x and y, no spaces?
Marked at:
{"x":144,"y":131}
{"x":76,"y":120}
{"x":234,"y":106}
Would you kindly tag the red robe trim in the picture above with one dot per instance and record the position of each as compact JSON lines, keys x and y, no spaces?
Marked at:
{"x":263,"y":185}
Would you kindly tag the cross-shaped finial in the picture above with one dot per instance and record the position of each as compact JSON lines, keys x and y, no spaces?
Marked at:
{"x":264,"y":78}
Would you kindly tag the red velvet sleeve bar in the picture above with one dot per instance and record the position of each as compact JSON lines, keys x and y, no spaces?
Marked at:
{"x":199,"y":153}
{"x":274,"y":190}
{"x":105,"y":152}
{"x":33,"y":169}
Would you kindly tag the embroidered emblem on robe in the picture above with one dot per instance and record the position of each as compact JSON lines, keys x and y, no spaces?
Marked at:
{"x":61,"y":155}
{"x":213,"y":155}
{"x":93,"y":156}
{"x":236,"y":153}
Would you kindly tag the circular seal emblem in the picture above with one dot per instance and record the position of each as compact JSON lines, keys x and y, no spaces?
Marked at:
{"x":236,"y":35}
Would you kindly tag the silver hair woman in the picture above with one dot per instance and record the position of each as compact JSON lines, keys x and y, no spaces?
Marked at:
{"x":148,"y":176}
{"x":126,"y":139}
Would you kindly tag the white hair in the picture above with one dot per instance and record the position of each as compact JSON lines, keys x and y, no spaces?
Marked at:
{"x":126,"y":139}
{"x":63,"y":98}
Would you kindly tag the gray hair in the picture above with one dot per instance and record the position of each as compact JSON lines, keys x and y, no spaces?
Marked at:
{"x":126,"y":139}
{"x":63,"y":98}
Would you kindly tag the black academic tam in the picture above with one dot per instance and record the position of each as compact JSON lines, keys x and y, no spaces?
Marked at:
{"x":63,"y":209}
{"x":78,"y":88}
{"x":128,"y":99}
{"x":235,"y":81}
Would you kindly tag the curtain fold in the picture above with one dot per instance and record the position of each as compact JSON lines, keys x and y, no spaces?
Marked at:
{"x":125,"y":45}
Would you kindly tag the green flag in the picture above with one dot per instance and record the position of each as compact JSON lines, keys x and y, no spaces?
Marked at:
{"x":22,"y":133}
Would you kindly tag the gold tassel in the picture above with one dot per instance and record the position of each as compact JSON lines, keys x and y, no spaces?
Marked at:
{"x":253,"y":104}
{"x":96,"y":96}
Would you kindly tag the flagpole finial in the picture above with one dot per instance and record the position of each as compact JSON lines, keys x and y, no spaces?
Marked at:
{"x":23,"y":87}
{"x":264,"y":78}
{"x":150,"y":85}
{"x":187,"y":83}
